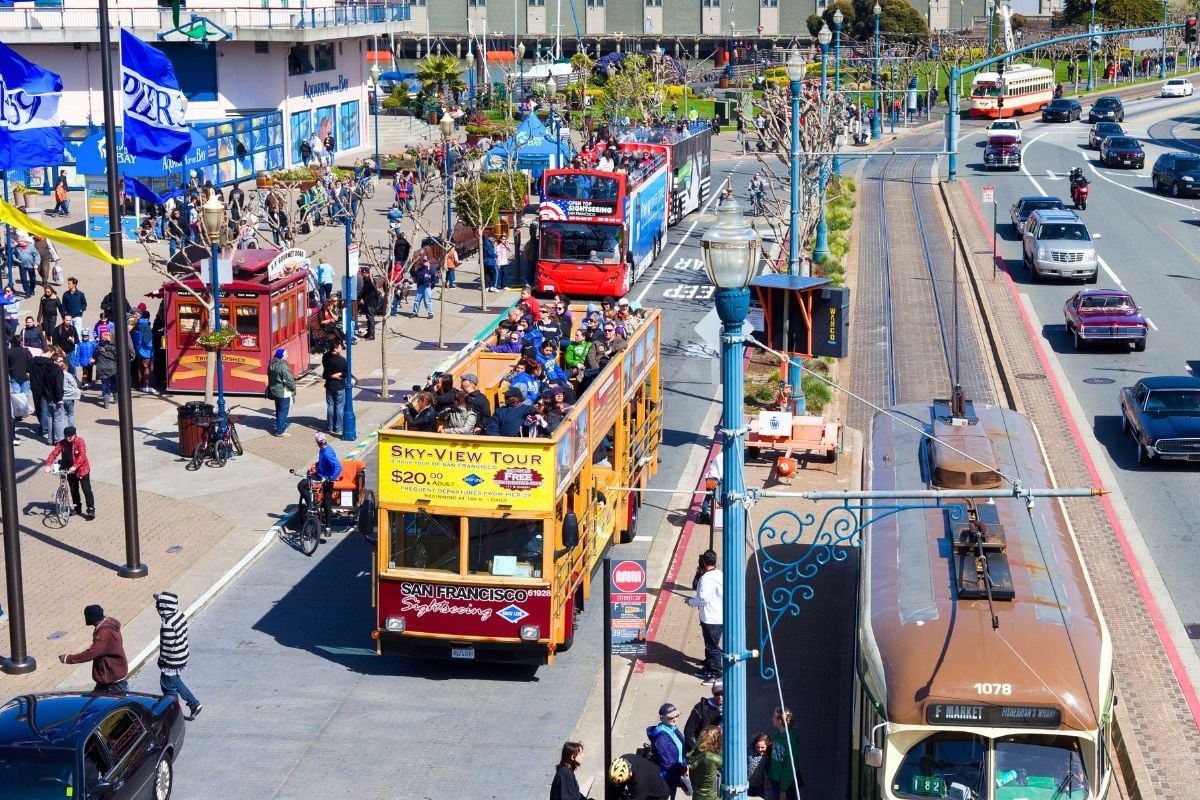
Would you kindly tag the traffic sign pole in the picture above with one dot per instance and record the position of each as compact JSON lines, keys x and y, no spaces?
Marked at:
{"x":989,"y":196}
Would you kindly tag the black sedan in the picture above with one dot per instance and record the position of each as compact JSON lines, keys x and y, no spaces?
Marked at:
{"x":1062,"y":109}
{"x":111,"y":746}
{"x":1162,"y":414}
{"x":1020,"y":210}
{"x":1109,"y":109}
{"x":1101,"y":130}
{"x":1178,"y":173}
{"x":1122,"y":151}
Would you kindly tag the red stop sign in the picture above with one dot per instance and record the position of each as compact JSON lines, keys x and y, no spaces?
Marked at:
{"x":628,"y":576}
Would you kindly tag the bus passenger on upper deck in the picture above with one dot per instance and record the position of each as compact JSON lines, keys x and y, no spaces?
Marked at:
{"x":509,"y":418}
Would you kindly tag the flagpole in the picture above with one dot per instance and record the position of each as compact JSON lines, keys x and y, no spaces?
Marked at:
{"x":8,"y":239}
{"x":132,"y":568}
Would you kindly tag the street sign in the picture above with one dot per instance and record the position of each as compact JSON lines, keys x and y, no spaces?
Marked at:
{"x":628,"y":604}
{"x":989,"y":194}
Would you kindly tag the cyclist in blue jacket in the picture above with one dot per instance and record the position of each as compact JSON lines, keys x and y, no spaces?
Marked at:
{"x":328,"y":468}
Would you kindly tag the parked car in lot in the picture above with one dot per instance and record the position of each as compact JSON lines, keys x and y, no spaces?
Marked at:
{"x":92,"y":745}
{"x":1020,"y":210}
{"x":1062,"y":109}
{"x":1105,"y":315}
{"x":1177,"y":87}
{"x":1178,"y":173}
{"x":1056,"y":244}
{"x":1002,"y":150}
{"x":1162,"y":414}
{"x":1107,"y":108}
{"x":1122,"y":151}
{"x":1101,"y":130}
{"x":1009,"y":127}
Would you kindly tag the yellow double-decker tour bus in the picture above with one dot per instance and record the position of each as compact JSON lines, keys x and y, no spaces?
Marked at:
{"x":487,"y":544}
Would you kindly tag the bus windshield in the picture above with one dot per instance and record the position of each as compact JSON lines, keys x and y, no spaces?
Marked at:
{"x":985,"y":89}
{"x":581,"y":187}
{"x":495,"y":546}
{"x":581,"y":242}
{"x":938,"y":765}
{"x":1040,"y":766}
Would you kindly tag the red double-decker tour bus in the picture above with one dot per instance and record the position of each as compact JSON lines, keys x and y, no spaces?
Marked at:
{"x":599,"y":231}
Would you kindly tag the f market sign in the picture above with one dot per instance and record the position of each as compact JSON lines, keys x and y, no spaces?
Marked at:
{"x":314,"y":90}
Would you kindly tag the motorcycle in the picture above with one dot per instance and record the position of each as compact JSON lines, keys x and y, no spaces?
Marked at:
{"x":1079,"y":194}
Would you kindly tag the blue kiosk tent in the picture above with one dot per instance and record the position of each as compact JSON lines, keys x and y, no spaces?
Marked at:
{"x":532,"y":149}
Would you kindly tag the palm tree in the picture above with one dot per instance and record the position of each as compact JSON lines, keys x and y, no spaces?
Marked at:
{"x":441,"y":72}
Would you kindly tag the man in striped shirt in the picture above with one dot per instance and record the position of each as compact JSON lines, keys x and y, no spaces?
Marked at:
{"x":173,"y":651}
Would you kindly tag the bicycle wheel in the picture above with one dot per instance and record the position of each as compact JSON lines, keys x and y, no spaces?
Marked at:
{"x":310,"y":535}
{"x":62,"y":505}
{"x":198,"y":456}
{"x":221,"y":453}
{"x":370,"y":189}
{"x":236,"y":441}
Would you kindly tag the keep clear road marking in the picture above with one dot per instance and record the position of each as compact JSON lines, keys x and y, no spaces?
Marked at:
{"x":1103,"y":264}
{"x":691,"y":228}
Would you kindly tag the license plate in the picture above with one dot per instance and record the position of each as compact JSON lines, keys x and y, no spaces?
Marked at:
{"x":462,"y":652}
{"x":1127,"y":162}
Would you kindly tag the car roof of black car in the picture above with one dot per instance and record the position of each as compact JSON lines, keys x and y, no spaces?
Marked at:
{"x":1178,"y":154}
{"x":59,"y":718}
{"x":1108,"y":101}
{"x":1108,"y":125}
{"x":1030,"y":198}
{"x":1171,"y":382}
{"x":1122,"y":141}
{"x":1063,"y":101}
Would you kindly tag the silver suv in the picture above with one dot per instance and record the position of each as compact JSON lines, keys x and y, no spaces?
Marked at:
{"x":1057,"y":244}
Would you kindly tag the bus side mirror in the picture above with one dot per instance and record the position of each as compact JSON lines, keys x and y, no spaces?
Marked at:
{"x":570,"y":531}
{"x":873,"y":756}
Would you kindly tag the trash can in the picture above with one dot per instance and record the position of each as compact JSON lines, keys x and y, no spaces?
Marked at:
{"x":190,"y":433}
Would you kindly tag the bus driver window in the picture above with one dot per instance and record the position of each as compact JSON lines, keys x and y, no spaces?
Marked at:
{"x":509,"y":547}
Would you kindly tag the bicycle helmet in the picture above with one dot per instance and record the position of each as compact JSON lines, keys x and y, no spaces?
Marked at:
{"x":319,"y":438}
{"x":620,"y":771}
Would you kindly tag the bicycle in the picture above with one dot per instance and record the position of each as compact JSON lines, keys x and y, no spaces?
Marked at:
{"x":350,"y":501}
{"x":758,"y":204}
{"x":214,"y":449}
{"x":62,"y":496}
{"x":314,"y":526}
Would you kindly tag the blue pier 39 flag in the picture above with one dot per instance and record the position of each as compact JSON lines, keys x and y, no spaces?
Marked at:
{"x":152,"y":102}
{"x":30,"y":134}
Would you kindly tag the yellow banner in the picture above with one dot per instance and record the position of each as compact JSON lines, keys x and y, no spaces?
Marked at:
{"x":19,"y":219}
{"x":475,"y":473}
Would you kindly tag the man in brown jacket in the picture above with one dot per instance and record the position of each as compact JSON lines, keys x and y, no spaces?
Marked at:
{"x":110,"y":668}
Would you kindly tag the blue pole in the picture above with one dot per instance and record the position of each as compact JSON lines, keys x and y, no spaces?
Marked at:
{"x":1162,"y":56}
{"x":349,"y":420}
{"x":952,"y":128}
{"x":821,"y":246}
{"x":222,"y":420}
{"x":1091,"y":84}
{"x":376,"y":134}
{"x":732,"y":307}
{"x":876,"y":122}
{"x":837,"y":78}
{"x":471,"y":80}
{"x":991,"y":12}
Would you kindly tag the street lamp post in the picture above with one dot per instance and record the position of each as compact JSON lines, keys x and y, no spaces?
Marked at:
{"x":991,"y":12}
{"x":1091,"y":84}
{"x":521,"y":67}
{"x":837,"y":71}
{"x":350,"y":292}
{"x":375,"y":106}
{"x":876,"y":122}
{"x":795,"y":72}
{"x":551,"y":90}
{"x":611,"y":72}
{"x":731,"y":253}
{"x":447,"y":128}
{"x":213,"y":212}
{"x":471,"y":77}
{"x":961,"y":3}
{"x":821,"y":246}
{"x":1162,"y":56}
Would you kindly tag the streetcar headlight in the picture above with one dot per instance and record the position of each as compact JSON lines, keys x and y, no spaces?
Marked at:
{"x":530,"y":633}
{"x":394,"y":624}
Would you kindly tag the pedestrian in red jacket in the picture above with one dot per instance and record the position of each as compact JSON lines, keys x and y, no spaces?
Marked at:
{"x":110,"y":668}
{"x":72,"y":455}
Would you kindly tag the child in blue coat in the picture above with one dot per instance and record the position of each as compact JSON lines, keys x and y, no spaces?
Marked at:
{"x":84,"y":353}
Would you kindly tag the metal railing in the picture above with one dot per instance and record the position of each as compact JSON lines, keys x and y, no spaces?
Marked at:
{"x":36,"y":19}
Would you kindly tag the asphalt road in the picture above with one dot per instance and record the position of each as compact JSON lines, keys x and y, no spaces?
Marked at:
{"x":296,"y":703}
{"x":1148,"y":247}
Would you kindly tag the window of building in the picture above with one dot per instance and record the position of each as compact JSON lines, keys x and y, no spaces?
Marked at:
{"x":247,"y":319}
{"x":770,"y":3}
{"x":654,"y":3}
{"x":188,"y":321}
{"x":712,"y":3}
{"x":299,"y":61}
{"x":596,"y":3}
{"x":480,"y":3}
{"x":323,"y":56}
{"x":262,"y":47}
{"x":537,"y":2}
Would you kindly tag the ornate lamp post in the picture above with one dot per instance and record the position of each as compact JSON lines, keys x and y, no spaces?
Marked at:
{"x":447,"y":129}
{"x":876,"y":122}
{"x":551,"y":90}
{"x":821,"y":246}
{"x":213,"y":213}
{"x":795,"y":71}
{"x":375,"y":106}
{"x":611,"y":72}
{"x":1162,"y":56}
{"x":731,"y":253}
{"x":1091,"y":84}
{"x":471,"y":77}
{"x":991,"y":12}
{"x":521,"y":67}
{"x":837,"y":71}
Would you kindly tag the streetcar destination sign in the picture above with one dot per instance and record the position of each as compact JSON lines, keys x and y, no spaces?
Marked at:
{"x":993,"y":716}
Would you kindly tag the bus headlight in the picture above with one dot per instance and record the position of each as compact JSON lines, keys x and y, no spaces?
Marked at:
{"x":530,"y":633}
{"x":394,"y":624}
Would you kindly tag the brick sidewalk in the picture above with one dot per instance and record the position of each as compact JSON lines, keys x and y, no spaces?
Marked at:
{"x":194,"y":527}
{"x":1153,"y":716}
